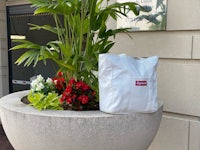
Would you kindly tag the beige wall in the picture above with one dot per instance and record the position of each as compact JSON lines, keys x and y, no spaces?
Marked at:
{"x":4,"y":88}
{"x":178,"y":73}
{"x":16,"y":2}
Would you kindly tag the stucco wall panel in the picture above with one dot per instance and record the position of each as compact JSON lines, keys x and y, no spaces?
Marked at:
{"x":194,"y":142}
{"x":196,"y":47}
{"x":4,"y":59}
{"x":178,"y":84}
{"x":162,"y":44}
{"x":183,"y":15}
{"x":4,"y":86}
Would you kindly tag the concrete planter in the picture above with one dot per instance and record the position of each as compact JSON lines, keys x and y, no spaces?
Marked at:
{"x":29,"y":129}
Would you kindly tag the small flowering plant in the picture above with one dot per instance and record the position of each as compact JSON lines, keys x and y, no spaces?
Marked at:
{"x":43,"y":94}
{"x":59,"y":82}
{"x":40,"y":85}
{"x":56,"y":94}
{"x":79,"y":96}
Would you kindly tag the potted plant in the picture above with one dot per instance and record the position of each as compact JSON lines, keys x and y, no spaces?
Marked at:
{"x":82,"y":35}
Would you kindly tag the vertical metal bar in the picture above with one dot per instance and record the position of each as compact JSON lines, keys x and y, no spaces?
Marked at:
{"x":9,"y":53}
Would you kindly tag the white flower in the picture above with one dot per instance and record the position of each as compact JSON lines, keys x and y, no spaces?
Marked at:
{"x":40,"y":78}
{"x":34,"y":83}
{"x":49,"y":81}
{"x":39,"y":87}
{"x":37,"y":84}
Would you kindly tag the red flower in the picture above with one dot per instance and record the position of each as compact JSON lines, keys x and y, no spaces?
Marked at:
{"x":83,"y":99}
{"x":59,"y":83}
{"x":73,"y":96}
{"x":85,"y":87}
{"x":68,"y":90}
{"x":60,"y":74}
{"x":69,"y":100}
{"x":78,"y":96}
{"x":79,"y":84}
{"x":62,"y":99}
{"x":64,"y":94}
{"x":93,"y":93}
{"x":72,"y":81}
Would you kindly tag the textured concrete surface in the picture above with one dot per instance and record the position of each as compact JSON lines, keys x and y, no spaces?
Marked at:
{"x":29,"y":129}
{"x":172,"y":135}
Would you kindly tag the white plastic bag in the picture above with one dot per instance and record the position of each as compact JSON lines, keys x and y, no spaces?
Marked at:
{"x":127,"y":84}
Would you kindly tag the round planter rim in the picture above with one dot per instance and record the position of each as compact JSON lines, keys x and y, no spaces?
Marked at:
{"x":12,"y":102}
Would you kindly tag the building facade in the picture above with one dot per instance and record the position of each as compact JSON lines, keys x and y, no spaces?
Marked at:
{"x":178,"y":48}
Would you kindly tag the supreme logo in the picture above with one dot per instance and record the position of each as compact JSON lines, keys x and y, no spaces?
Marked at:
{"x":141,"y":83}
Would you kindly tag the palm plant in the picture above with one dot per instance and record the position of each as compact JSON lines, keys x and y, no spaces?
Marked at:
{"x":82,"y":34}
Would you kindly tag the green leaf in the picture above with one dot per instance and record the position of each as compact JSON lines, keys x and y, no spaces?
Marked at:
{"x":28,"y":57}
{"x":47,"y":10}
{"x":64,"y":65}
{"x":25,"y":45}
{"x":21,"y":46}
{"x":158,"y":3}
{"x":46,"y":27}
{"x":41,"y":101}
{"x":107,"y":47}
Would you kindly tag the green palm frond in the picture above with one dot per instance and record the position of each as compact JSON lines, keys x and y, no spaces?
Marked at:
{"x":82,"y":33}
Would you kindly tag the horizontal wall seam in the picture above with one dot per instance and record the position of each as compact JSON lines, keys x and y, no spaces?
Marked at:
{"x":181,"y":116}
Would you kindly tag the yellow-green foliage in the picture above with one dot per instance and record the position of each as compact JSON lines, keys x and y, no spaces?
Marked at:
{"x":41,"y":101}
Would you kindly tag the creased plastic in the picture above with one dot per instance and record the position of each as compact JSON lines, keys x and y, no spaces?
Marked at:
{"x":127,"y":84}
